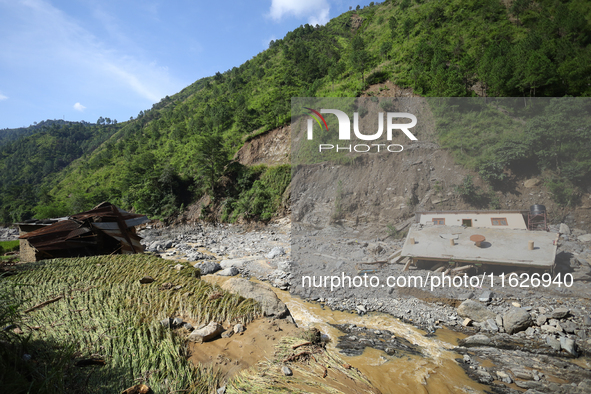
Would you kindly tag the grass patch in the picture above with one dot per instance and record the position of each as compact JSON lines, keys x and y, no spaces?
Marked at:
{"x":9,"y":246}
{"x":106,"y":314}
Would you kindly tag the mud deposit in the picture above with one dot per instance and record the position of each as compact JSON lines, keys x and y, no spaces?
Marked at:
{"x":404,"y":340}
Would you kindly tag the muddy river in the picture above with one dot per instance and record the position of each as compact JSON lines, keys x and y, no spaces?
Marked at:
{"x":436,"y":371}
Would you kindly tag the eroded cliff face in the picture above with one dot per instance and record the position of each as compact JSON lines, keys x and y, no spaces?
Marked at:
{"x":271,"y":148}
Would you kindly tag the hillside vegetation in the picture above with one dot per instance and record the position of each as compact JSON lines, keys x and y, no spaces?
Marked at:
{"x":179,"y":150}
{"x":29,"y":164}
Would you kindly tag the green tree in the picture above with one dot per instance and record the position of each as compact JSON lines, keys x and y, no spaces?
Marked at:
{"x":385,"y":49}
{"x":404,"y":4}
{"x":537,"y":71}
{"x":360,"y":58}
{"x":392,"y":23}
{"x":335,"y":71}
{"x":211,"y":158}
{"x":407,"y":26}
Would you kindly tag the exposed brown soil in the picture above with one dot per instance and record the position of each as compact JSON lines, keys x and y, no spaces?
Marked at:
{"x":388,"y":89}
{"x":271,"y":148}
{"x":243,"y":350}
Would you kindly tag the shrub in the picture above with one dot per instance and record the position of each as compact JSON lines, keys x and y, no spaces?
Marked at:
{"x":563,"y":192}
{"x":263,"y":198}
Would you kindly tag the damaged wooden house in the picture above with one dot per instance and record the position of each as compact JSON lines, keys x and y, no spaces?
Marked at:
{"x":103,"y":230}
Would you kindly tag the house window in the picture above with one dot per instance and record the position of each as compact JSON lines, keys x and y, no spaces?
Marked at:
{"x":439,"y":221}
{"x":467,"y":222}
{"x":499,"y":221}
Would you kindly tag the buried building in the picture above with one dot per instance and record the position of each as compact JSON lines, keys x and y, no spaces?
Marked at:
{"x":105,"y":229}
{"x":480,"y":239}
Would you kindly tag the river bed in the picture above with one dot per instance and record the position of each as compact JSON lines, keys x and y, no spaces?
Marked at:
{"x":435,"y":371}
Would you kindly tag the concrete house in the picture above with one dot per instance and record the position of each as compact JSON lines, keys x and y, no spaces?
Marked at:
{"x":484,"y":219}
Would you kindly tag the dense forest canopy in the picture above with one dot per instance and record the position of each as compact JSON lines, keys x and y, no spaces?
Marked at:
{"x":164,"y":159}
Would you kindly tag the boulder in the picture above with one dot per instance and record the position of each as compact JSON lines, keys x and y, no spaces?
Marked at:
{"x":146,"y":280}
{"x":560,"y":313}
{"x":499,"y":321}
{"x":206,"y":333}
{"x":475,"y":311}
{"x":232,"y":271}
{"x":504,"y":377}
{"x":548,"y":329}
{"x":516,"y":320}
{"x":208,"y":267}
{"x":485,"y":296}
{"x":568,"y":327}
{"x":155,"y":246}
{"x":237,"y":263}
{"x":271,"y":305}
{"x":276,"y":251}
{"x":564,"y":229}
{"x":476,"y":340}
{"x":568,"y":345}
{"x":484,"y":377}
{"x":238,"y":328}
{"x":286,"y":371}
{"x":492,"y":325}
{"x":533,"y":182}
{"x":553,"y":343}
{"x":541,"y":319}
{"x":522,"y":373}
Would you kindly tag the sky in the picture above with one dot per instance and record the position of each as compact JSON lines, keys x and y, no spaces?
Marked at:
{"x":83,"y":59}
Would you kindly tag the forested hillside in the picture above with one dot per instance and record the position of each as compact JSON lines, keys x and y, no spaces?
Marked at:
{"x":178,"y":150}
{"x":30,"y":163}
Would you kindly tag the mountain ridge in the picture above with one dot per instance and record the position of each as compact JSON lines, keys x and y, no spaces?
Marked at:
{"x":158,"y":162}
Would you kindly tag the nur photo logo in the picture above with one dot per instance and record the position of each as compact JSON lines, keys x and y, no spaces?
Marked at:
{"x":344,"y":130}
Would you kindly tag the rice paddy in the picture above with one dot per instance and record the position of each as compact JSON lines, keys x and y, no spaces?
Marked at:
{"x":110,"y":323}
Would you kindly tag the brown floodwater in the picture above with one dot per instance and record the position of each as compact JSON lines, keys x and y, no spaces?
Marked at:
{"x":436,"y":371}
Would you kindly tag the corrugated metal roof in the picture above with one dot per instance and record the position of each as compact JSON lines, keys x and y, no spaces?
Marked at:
{"x":84,"y":229}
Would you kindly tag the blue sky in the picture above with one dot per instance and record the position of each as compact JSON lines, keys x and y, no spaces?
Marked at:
{"x":82,"y":59}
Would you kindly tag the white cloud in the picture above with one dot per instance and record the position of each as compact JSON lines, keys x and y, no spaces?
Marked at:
{"x":3,"y":97}
{"x":315,"y":10}
{"x":79,"y":107}
{"x":77,"y":57}
{"x":319,"y":19}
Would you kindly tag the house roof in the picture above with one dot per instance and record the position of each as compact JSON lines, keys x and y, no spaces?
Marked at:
{"x":472,"y":212}
{"x":501,"y":246}
{"x":80,"y":230}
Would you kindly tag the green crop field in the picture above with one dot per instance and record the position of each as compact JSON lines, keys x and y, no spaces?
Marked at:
{"x":104,"y":313}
